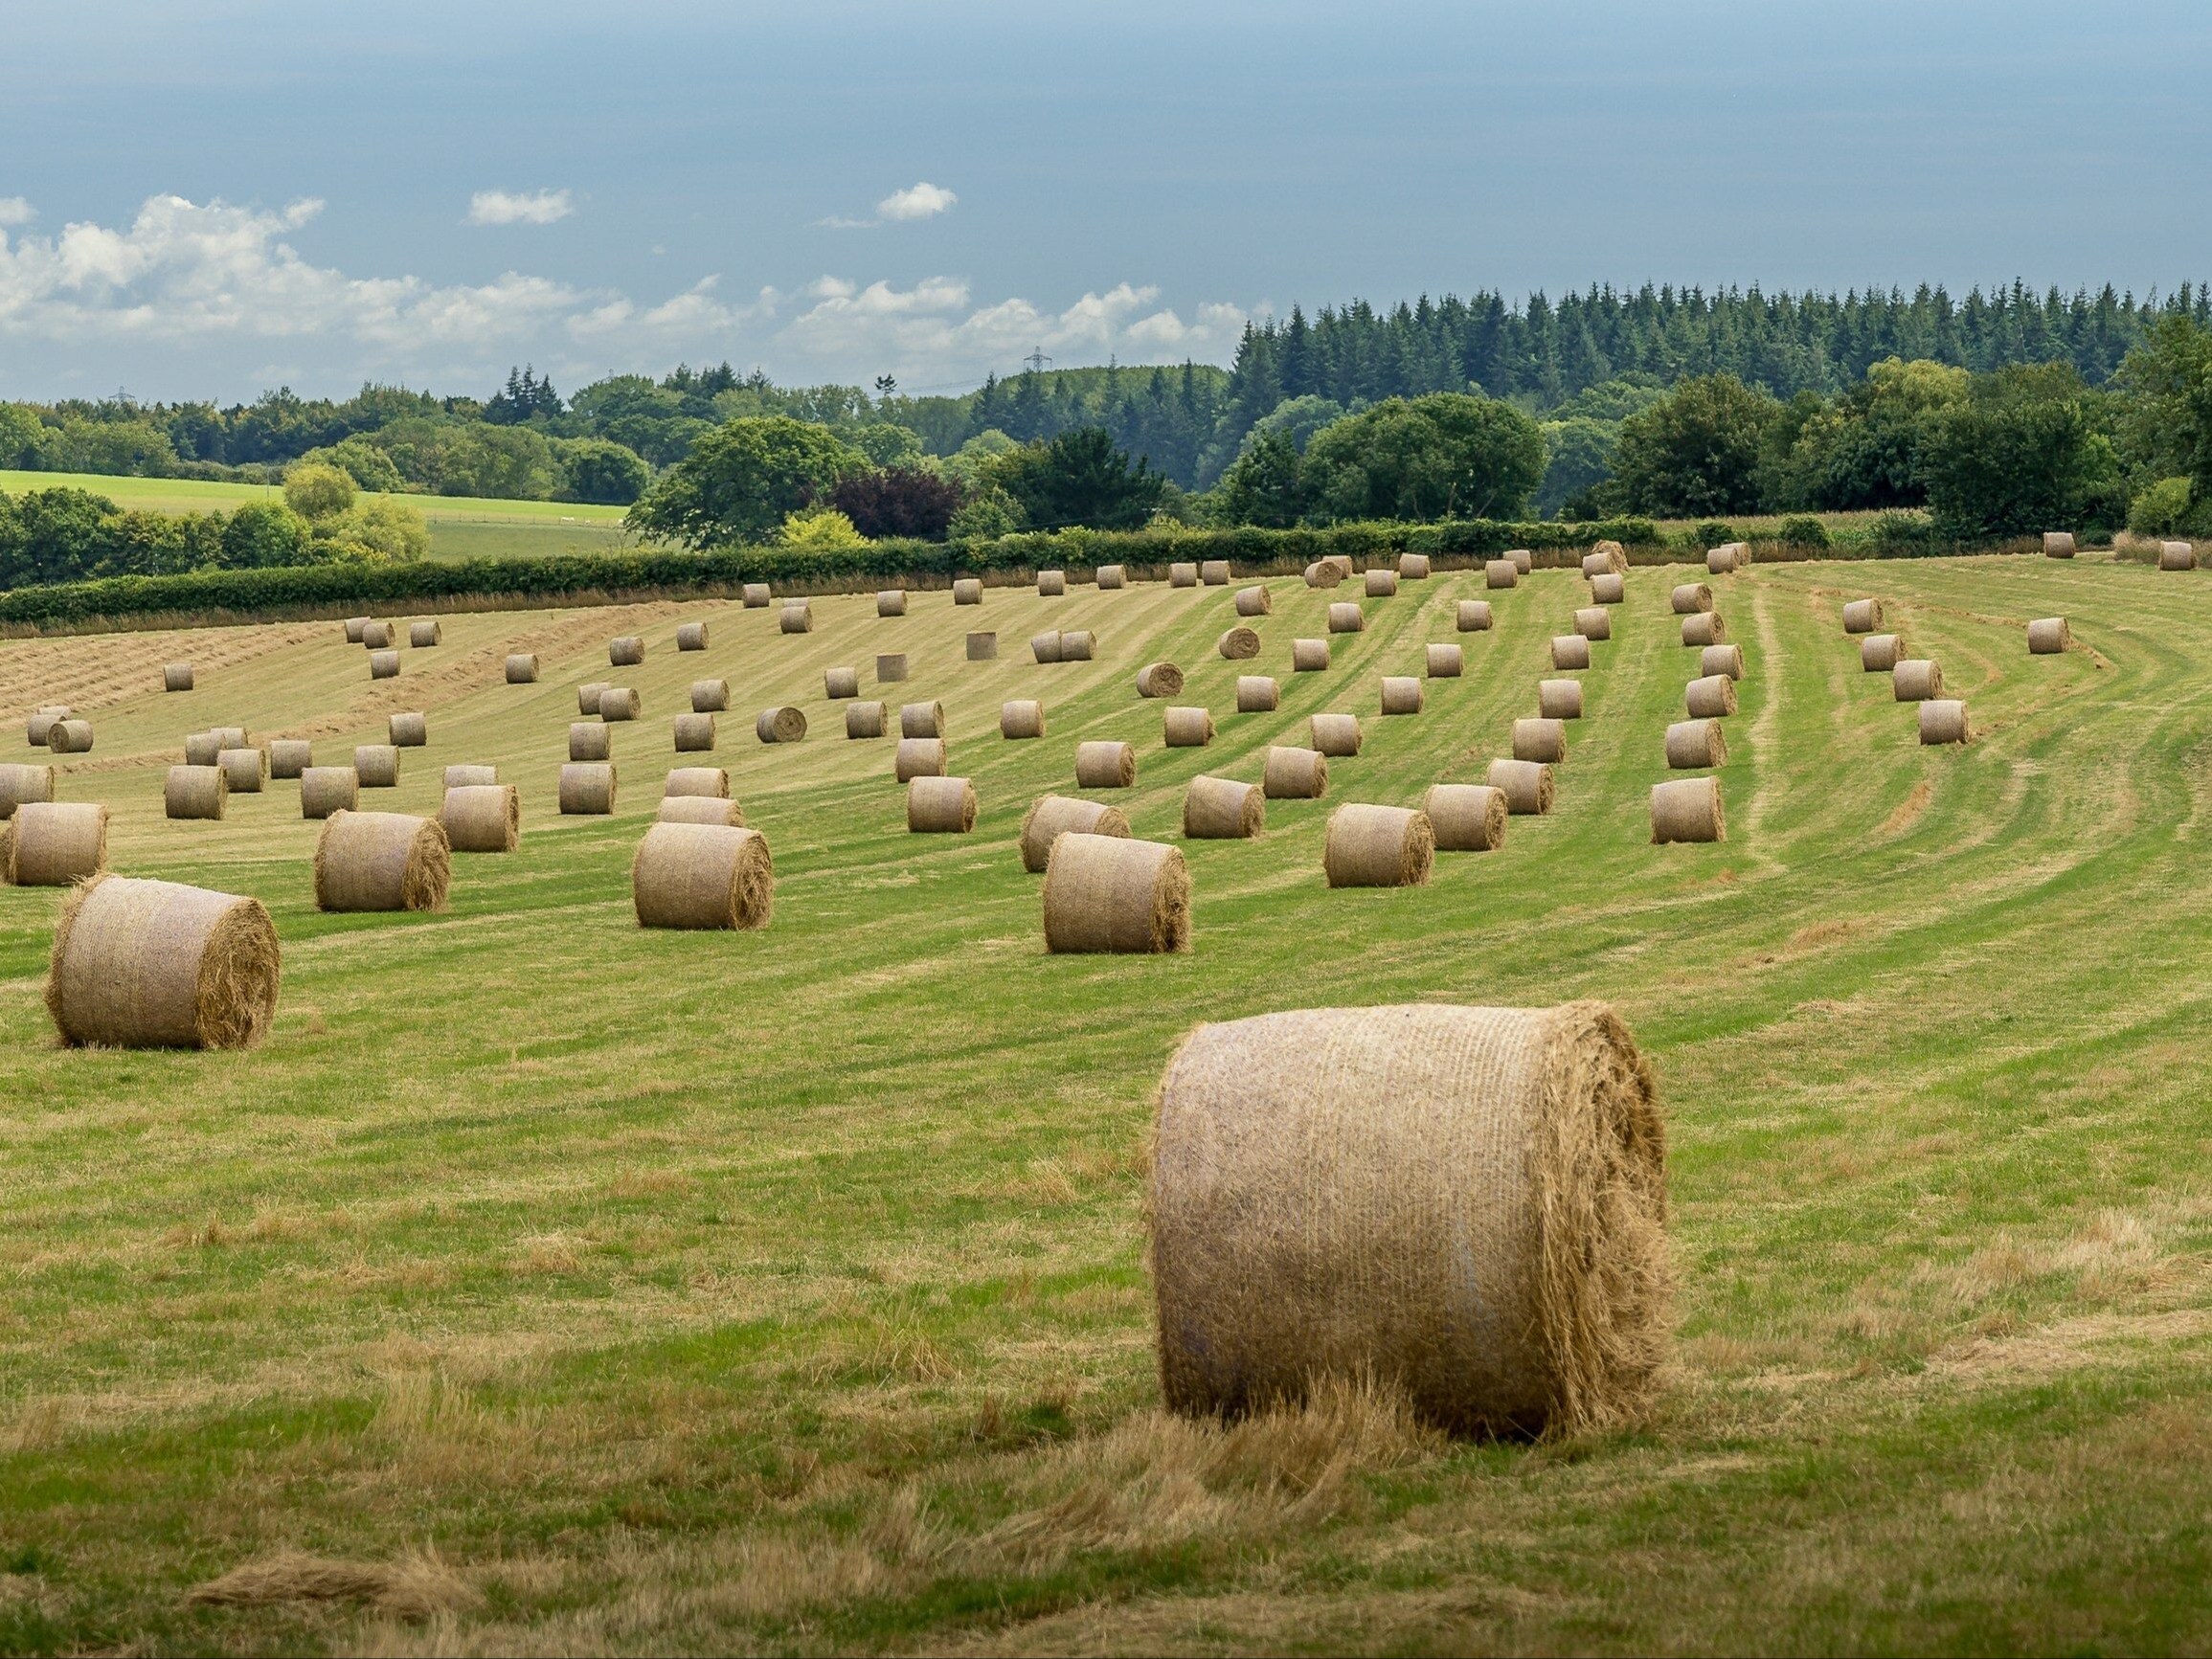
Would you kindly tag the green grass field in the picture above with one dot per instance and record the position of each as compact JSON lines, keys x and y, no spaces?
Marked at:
{"x":589,"y":1288}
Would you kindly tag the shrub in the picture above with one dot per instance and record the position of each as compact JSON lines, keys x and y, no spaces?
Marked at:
{"x":1713,"y":533}
{"x":318,"y":492}
{"x":820,"y":531}
{"x":1904,"y":535}
{"x":1803,"y":530}
{"x":2162,"y":509}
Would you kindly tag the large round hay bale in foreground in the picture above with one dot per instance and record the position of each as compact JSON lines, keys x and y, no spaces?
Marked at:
{"x":481,"y":818}
{"x":1323,"y":574}
{"x":327,"y":789}
{"x":1688,"y":598}
{"x":376,"y":765}
{"x":1694,"y":744}
{"x":1346,"y":617}
{"x":889,"y":667}
{"x":1943,"y":719}
{"x":1861,"y":616}
{"x":2048,"y":636}
{"x":590,"y":740}
{"x":1380,"y":584}
{"x":2058,"y":544}
{"x":1045,"y":647}
{"x":1709,"y":696}
{"x":377,"y":635}
{"x":382,"y":860}
{"x":1725,"y":660}
{"x":1501,"y":573}
{"x":194,"y":792}
{"x":52,"y":843}
{"x":1105,"y":765}
{"x":695,"y":734}
{"x":1687,"y":809}
{"x":2177,"y":556}
{"x":469,"y":776}
{"x":863,"y":720}
{"x":700,"y":809}
{"x":20,"y":783}
{"x":1526,"y":784}
{"x":621,"y":702}
{"x":1378,"y":847}
{"x":1401,"y":694}
{"x":1559,"y":699}
{"x":1338,"y":736}
{"x":1240,"y":644}
{"x":782,"y":724}
{"x":522,"y":668}
{"x":690,"y":635}
{"x":1569,"y":651}
{"x":1159,"y":680}
{"x":243,"y":769}
{"x":1705,"y":628}
{"x":1113,"y":577}
{"x":921,"y":719}
{"x":588,"y":696}
{"x":697,"y":780}
{"x":1474,"y":616}
{"x":1258,"y":694}
{"x":1464,"y":1205}
{"x":1309,"y":656}
{"x":177,"y":677}
{"x":1184,"y":726}
{"x":1295,"y":773}
{"x":1182,"y":576}
{"x":755,"y":596}
{"x":1051,"y":584}
{"x":919,"y":757}
{"x":1543,"y":738}
{"x":891,"y":602}
{"x":1221,"y":808}
{"x":383,"y":665}
{"x":1445,"y":662}
{"x":797,"y":618}
{"x":840,"y":682}
{"x":1114,"y":894}
{"x":587,"y":788}
{"x":69,"y":737}
{"x":1466,"y":818}
{"x":38,"y":728}
{"x":408,"y":730}
{"x":1593,"y":622}
{"x":1020,"y":717}
{"x":941,"y":806}
{"x":1054,"y":815}
{"x":1915,"y":679}
{"x":710,"y":696}
{"x":983,"y":647}
{"x":1255,"y":602}
{"x":421,"y":636}
{"x":1609,"y":589}
{"x":139,"y":964}
{"x":702,"y":875}
{"x":1881,"y":653}
{"x":968,"y":591}
{"x":1213,"y":573}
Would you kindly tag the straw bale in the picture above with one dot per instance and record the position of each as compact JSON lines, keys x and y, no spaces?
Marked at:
{"x":1687,"y":809}
{"x":1078,"y":645}
{"x":1111,"y":576}
{"x":1254,"y":601}
{"x":1446,"y":662}
{"x":1258,"y":694}
{"x":1182,"y":576}
{"x":1559,"y":699}
{"x":1725,"y":660}
{"x":2047,"y":635}
{"x":837,"y":683}
{"x":1401,"y":694}
{"x":1466,"y":818}
{"x":1186,"y":727}
{"x":1609,"y":589}
{"x":327,"y":789}
{"x":695,"y":734}
{"x":1105,"y":765}
{"x":195,"y":792}
{"x":588,"y":696}
{"x":177,"y":677}
{"x":710,"y":696}
{"x":1861,"y":616}
{"x":796,"y":617}
{"x":1501,"y":573}
{"x":1724,"y":560}
{"x":410,"y":730}
{"x":1295,"y":774}
{"x":382,"y":860}
{"x":1692,"y":744}
{"x":1378,"y":847}
{"x":1159,"y":680}
{"x":621,"y":702}
{"x":2177,"y":556}
{"x":481,"y":817}
{"x":1045,"y":647}
{"x":353,"y":629}
{"x":376,"y":765}
{"x":1214,"y":573}
{"x":703,"y":875}
{"x":1054,"y":815}
{"x":38,"y":728}
{"x":1943,"y":719}
{"x":1309,"y":656}
{"x":421,"y":636}
{"x":1605,"y":558}
{"x":1593,"y":622}
{"x":863,"y":720}
{"x":699,"y":809}
{"x":968,"y":591}
{"x":1709,"y":696}
{"x":1524,"y":561}
{"x":471,"y":776}
{"x":1705,"y":628}
{"x":1381,"y":584}
{"x":1051,"y":584}
{"x":1690,"y":597}
{"x":1880,"y":653}
{"x":2058,"y":544}
{"x":1221,"y":808}
{"x":919,"y":757}
{"x":1338,"y":736}
{"x":522,"y":668}
{"x":1343,"y":563}
{"x":1022,"y":717}
{"x":21,"y":783}
{"x":690,"y":635}
{"x":383,"y":665}
{"x":1474,"y":616}
{"x":755,"y":596}
{"x":983,"y":647}
{"x":781,"y":724}
{"x":1543,"y":738}
{"x":891,"y":602}
{"x":587,"y":788}
{"x":889,"y":666}
{"x":231,"y":737}
{"x":1413,"y":567}
{"x":1321,"y":574}
{"x":921,"y":720}
{"x":140,"y":964}
{"x":1569,"y":651}
{"x":243,"y":769}
{"x":53,"y":843}
{"x":69,"y":737}
{"x":1526,"y":784}
{"x":941,"y":806}
{"x":376,"y":635}
{"x":706,"y":780}
{"x":1346,"y":617}
{"x":1915,"y":679}
{"x":1117,"y":895}
{"x":590,"y":740}
{"x":1240,"y":644}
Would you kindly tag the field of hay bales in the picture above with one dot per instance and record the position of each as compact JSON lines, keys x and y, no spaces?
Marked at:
{"x":543,"y":1283}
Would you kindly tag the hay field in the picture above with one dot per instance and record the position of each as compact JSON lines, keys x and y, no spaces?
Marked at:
{"x":544,"y":1284}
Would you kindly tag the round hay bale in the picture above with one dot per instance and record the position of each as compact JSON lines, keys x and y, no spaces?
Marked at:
{"x":1725,"y":660}
{"x":1105,"y":765}
{"x":621,"y":702}
{"x":706,"y":781}
{"x":376,"y":635}
{"x":1687,"y":809}
{"x":1258,"y":694}
{"x":383,"y":665}
{"x":1709,"y":696}
{"x":1338,"y":736}
{"x":1022,"y":717}
{"x":625,"y":651}
{"x":1915,"y":679}
{"x":1689,"y":599}
{"x":921,"y":720}
{"x":941,"y":806}
{"x":590,"y":740}
{"x":1113,"y":577}
{"x":1220,"y":809}
{"x":1466,"y":818}
{"x":968,"y":591}
{"x":1559,"y":699}
{"x":1346,"y":617}
{"x":1187,"y":727}
{"x":200,"y":748}
{"x":2058,"y":545}
{"x":1159,"y":680}
{"x":1693,"y":744}
{"x":1614,"y":554}
{"x":327,"y":789}
{"x":919,"y":757}
{"x":863,"y":720}
{"x":1378,"y":847}
{"x":588,"y":696}
{"x":1474,"y":616}
{"x":1295,"y":773}
{"x":699,"y":809}
{"x":243,"y":769}
{"x":690,"y":635}
{"x":1569,"y":651}
{"x":376,"y":765}
{"x":1240,"y":644}
{"x":2177,"y":556}
{"x":177,"y":677}
{"x":797,"y":618}
{"x":840,"y":682}
{"x":1446,"y":662}
{"x":1501,"y":573}
{"x":382,"y":860}
{"x":1705,"y":628}
{"x":983,"y":647}
{"x":69,"y":737}
{"x":1051,"y":584}
{"x":139,"y":964}
{"x":1465,"y":1204}
{"x":1526,"y":784}
{"x":421,"y":636}
{"x":1401,"y":694}
{"x":781,"y":724}
{"x":2048,"y":636}
{"x":1861,"y":616}
{"x":39,"y":727}
{"x":21,"y":783}
{"x":471,"y":776}
{"x":407,"y":731}
{"x":702,"y":875}
{"x":891,"y":602}
{"x":587,"y":788}
{"x":710,"y":696}
{"x":1182,"y":576}
{"x":1054,"y":815}
{"x":481,"y":817}
{"x":354,"y":625}
{"x":231,"y":737}
{"x":695,"y":734}
{"x":889,"y":666}
{"x":522,"y":668}
{"x":1309,"y":656}
{"x":195,"y":792}
{"x":1593,"y":622}
{"x":1724,"y":560}
{"x":1045,"y":647}
{"x":53,"y":843}
{"x":1880,"y":653}
{"x":755,"y":596}
{"x":1540,"y":739}
{"x":1609,"y":589}
{"x":1413,"y":567}
{"x":1380,"y":584}
{"x":1943,"y":719}
{"x":1214,"y":573}
{"x":1321,"y":574}
{"x":1524,"y":561}
{"x":1254,"y":601}
{"x":1117,"y":894}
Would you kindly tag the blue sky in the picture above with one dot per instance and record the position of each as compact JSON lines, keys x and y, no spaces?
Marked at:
{"x":206,"y":200}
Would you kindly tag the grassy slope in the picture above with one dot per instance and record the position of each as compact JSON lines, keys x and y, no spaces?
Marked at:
{"x":786,"y":1290}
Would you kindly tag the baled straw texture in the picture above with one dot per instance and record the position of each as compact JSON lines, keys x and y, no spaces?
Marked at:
{"x":1258,"y":694}
{"x":2177,"y":556}
{"x":1687,"y":809}
{"x":796,"y":617}
{"x":1526,"y":784}
{"x":621,"y":702}
{"x":1696,"y":744}
{"x":471,"y":776}
{"x":1336,"y":735}
{"x":1861,"y":616}
{"x":713,"y":781}
{"x":968,"y":591}
{"x":200,"y":747}
{"x":1501,"y":573}
{"x":376,"y":765}
{"x":1559,"y":699}
{"x":140,"y":964}
{"x":481,"y":818}
{"x":383,"y":665}
{"x":1378,"y":847}
{"x":839,"y":683}
{"x":1616,"y":555}
{"x":1182,"y":576}
{"x":1445,"y":662}
{"x":1943,"y":719}
{"x":1022,"y":717}
{"x":1309,"y":656}
{"x":1105,"y":765}
{"x":1466,"y":818}
{"x":1078,"y":645}
{"x":588,"y":696}
{"x":1709,"y":696}
{"x":1045,"y":647}
{"x":1725,"y":660}
{"x":1295,"y":773}
{"x":376,"y":635}
{"x":1346,"y":617}
{"x":1474,"y":616}
{"x":889,"y":666}
{"x":1524,"y":561}
{"x":1915,"y":679}
{"x":2058,"y":544}
{"x":1054,"y":815}
{"x":1221,"y":808}
{"x":20,"y":783}
{"x":1722,"y":560}
{"x":231,"y":737}
{"x":1051,"y":584}
{"x":382,"y":860}
{"x":1240,"y":644}
{"x":2047,"y":635}
{"x":194,"y":792}
{"x":941,"y":806}
{"x":590,"y":740}
{"x":1213,"y":573}
{"x":587,"y":788}
{"x":69,"y":737}
{"x":782,"y":724}
{"x":327,"y":789}
{"x":53,"y":843}
{"x":1343,"y":563}
{"x":755,"y":596}
{"x":1113,"y":893}
{"x":1401,"y":694}
{"x":522,"y":668}
{"x":243,"y":769}
{"x":919,"y":757}
{"x":1880,"y":653}
{"x":1543,"y":738}
{"x":1466,"y":1205}
{"x":1609,"y":589}
{"x":1413,"y":567}
{"x":702,"y":875}
{"x":38,"y":728}
{"x":700,"y":809}
{"x":1182,"y":727}
{"x":421,"y":636}
{"x":177,"y":677}
{"x":1381,"y":584}
{"x":408,"y":730}
{"x":1253,"y":602}
{"x":1159,"y":680}
{"x":353,"y":629}
{"x":1688,"y":598}
{"x":1569,"y":651}
{"x":1593,"y":622}
{"x":921,"y":719}
{"x":695,"y":734}
{"x":891,"y":602}
{"x":1113,"y":577}
{"x":710,"y":696}
{"x":690,"y":635}
{"x":863,"y":720}
{"x":983,"y":647}
{"x":1705,"y":628}
{"x":1321,"y":574}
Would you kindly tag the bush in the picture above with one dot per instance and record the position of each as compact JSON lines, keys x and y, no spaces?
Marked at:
{"x":1713,"y":533}
{"x":317,"y":492}
{"x":1803,"y":530}
{"x":820,"y":531}
{"x":2163,"y":508}
{"x":1906,"y":535}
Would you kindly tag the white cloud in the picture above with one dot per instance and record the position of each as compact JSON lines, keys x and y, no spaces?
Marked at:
{"x":922,"y":201}
{"x":15,"y":211}
{"x":519,"y":207}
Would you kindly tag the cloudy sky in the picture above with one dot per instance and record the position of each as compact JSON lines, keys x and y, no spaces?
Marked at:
{"x":205,"y":200}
